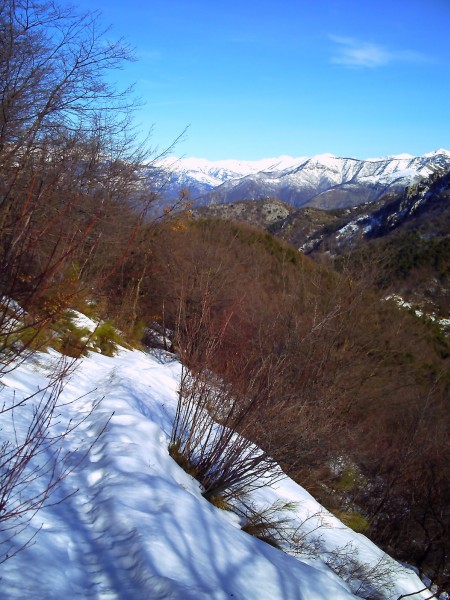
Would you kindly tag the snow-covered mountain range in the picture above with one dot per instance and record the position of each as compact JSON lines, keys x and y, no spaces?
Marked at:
{"x":323,"y":181}
{"x":200,"y":175}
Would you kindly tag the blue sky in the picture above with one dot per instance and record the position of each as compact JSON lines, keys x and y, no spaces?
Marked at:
{"x":254,"y":79}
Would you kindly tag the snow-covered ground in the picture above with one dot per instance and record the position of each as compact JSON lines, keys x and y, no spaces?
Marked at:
{"x":138,"y":527}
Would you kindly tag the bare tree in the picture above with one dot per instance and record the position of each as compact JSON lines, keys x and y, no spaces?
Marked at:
{"x":67,"y":156}
{"x":69,"y":163}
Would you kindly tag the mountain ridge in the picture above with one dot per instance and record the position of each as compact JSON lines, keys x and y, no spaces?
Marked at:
{"x":323,"y":181}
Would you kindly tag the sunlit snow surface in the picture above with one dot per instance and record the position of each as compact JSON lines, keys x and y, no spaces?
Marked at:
{"x":138,"y":528}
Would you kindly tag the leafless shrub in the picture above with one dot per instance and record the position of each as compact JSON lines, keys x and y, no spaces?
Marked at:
{"x":277,"y":525}
{"x":272,"y":523}
{"x":209,"y":412}
{"x":370,"y":581}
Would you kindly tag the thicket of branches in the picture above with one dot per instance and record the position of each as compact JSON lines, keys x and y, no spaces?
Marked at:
{"x":73,"y":194}
{"x":352,"y":402}
{"x":205,"y":441}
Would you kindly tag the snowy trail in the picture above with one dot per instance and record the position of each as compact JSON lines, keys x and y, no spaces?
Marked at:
{"x":112,"y":551}
{"x":139,"y":528}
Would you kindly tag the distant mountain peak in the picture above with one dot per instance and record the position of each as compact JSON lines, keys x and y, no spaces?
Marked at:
{"x":325,"y":157}
{"x":441,"y":152}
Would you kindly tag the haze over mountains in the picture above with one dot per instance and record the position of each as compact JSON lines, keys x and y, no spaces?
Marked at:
{"x":323,"y":181}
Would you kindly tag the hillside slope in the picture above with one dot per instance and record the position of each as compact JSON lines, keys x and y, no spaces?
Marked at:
{"x":138,"y":526}
{"x":406,"y":234}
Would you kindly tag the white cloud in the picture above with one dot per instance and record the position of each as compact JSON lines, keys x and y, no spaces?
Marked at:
{"x":355,"y":53}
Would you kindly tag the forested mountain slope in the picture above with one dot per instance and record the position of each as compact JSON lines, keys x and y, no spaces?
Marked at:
{"x":404,"y":237}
